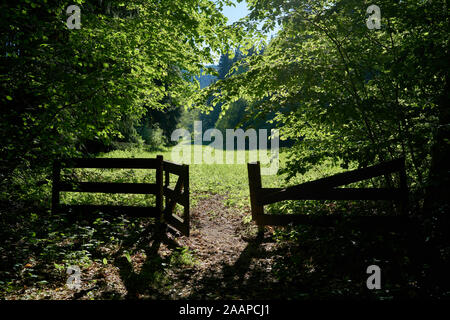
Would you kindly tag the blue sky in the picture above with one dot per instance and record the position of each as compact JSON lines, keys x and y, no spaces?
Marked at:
{"x":235,"y":13}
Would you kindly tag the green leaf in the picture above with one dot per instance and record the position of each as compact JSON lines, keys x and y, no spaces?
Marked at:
{"x":127,"y":255}
{"x":58,"y":266}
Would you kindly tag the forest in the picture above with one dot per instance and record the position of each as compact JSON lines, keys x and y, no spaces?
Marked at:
{"x":349,"y":86}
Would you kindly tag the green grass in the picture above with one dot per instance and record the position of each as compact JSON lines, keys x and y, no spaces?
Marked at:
{"x":49,"y":246}
{"x":229,"y":180}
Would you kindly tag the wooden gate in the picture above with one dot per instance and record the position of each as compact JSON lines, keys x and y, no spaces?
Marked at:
{"x":325,"y":189}
{"x":161,"y":189}
{"x":180,"y":195}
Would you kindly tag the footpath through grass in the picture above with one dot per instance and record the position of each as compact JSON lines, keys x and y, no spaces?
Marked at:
{"x":37,"y":252}
{"x":118,"y":261}
{"x":229,"y":180}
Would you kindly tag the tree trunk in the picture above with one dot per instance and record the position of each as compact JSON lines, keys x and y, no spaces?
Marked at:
{"x":438,"y":190}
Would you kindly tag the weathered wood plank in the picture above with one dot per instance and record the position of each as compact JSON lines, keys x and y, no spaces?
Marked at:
{"x":160,"y":188}
{"x":266,"y":191}
{"x":337,"y":180}
{"x":255,"y":184}
{"x":127,"y":210}
{"x":179,"y":198}
{"x":173,"y":167}
{"x":178,"y":224}
{"x":186,"y":217}
{"x":388,"y":222}
{"x":110,"y":163}
{"x":326,"y":189}
{"x":109,"y":187}
{"x":265,"y":198}
{"x":159,"y":184}
{"x":175,"y":194}
{"x":286,"y":219}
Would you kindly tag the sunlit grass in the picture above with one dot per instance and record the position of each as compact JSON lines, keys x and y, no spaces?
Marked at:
{"x":229,"y":180}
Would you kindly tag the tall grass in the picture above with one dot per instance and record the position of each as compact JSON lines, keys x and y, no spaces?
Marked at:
{"x":229,"y":180}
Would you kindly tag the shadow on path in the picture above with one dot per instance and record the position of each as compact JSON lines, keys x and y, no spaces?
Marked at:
{"x":149,"y":280}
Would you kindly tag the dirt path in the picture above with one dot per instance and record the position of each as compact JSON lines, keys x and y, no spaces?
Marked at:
{"x":231,"y":264}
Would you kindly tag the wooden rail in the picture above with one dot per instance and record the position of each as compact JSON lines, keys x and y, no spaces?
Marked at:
{"x":161,"y":189}
{"x":326,"y":189}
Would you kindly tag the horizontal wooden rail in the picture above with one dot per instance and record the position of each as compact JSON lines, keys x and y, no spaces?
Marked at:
{"x":337,"y":180}
{"x":111,"y":163}
{"x":326,"y":189}
{"x":332,"y":194}
{"x":104,"y":187}
{"x":160,"y":189}
{"x":172,"y":167}
{"x":361,"y":221}
{"x":134,"y":211}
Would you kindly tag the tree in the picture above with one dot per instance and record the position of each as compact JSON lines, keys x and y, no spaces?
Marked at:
{"x":62,"y":87}
{"x":225,"y":64}
{"x":349,"y":93}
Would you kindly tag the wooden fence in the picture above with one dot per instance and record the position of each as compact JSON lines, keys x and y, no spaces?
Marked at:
{"x":161,"y":188}
{"x":327,"y":189}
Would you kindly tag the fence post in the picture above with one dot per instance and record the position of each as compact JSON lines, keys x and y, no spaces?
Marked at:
{"x":56,"y":177}
{"x":159,"y":183}
{"x":255,"y":185}
{"x":166,"y":184}
{"x":186,"y":218}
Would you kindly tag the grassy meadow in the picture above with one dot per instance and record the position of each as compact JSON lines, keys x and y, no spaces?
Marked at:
{"x":116,"y":261}
{"x":229,"y":180}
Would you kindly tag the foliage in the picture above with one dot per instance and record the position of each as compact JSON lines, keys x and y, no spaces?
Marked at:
{"x":348,"y":96}
{"x":211,"y":116}
{"x":153,"y":135}
{"x":60,"y":88}
{"x":347,"y":93}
